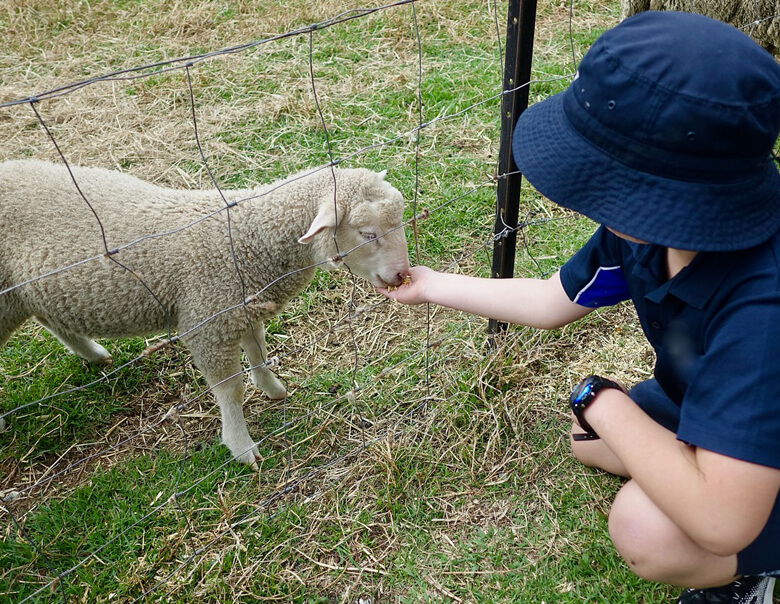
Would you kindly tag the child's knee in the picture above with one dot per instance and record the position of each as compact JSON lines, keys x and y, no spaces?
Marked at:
{"x":656,"y":549}
{"x":634,"y":532}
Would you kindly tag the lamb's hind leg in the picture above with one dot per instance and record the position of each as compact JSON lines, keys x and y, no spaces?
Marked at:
{"x":253,"y":343}
{"x":81,"y":346}
{"x":226,"y":379}
{"x":9,"y":323}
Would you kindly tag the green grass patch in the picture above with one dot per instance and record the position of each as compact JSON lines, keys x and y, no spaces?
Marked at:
{"x":412,"y":460}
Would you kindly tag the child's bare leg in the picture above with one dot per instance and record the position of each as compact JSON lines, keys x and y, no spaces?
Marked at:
{"x":656,"y":549}
{"x":596,"y":454}
{"x":650,"y":543}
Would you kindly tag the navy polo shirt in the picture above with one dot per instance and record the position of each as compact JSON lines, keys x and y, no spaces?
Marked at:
{"x":715,"y":329}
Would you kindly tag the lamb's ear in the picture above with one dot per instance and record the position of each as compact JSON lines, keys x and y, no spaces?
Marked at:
{"x":325,"y":219}
{"x":382,"y":174}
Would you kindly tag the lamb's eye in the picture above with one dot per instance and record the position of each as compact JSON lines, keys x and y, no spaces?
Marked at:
{"x":368,"y":235}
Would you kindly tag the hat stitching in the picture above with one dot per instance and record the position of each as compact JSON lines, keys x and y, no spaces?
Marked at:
{"x":637,"y":153}
{"x":657,"y":89}
{"x":633,"y":74}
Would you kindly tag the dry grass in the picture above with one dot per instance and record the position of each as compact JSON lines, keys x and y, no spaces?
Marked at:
{"x":411,"y":442}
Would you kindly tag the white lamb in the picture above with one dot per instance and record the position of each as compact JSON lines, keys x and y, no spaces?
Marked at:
{"x":760,"y":19}
{"x":186,"y":279}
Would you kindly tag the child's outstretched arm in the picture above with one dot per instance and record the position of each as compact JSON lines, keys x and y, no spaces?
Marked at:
{"x":541,"y":303}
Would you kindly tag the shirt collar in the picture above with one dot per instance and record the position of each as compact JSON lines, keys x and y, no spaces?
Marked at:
{"x":694,"y":285}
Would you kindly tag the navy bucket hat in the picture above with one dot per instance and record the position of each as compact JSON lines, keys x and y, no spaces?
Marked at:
{"x":665,"y":134}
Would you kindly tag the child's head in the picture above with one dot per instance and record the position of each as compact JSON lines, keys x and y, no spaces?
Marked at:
{"x":665,"y":134}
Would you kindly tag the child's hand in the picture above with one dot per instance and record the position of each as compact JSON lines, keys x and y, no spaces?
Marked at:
{"x":412,"y":292}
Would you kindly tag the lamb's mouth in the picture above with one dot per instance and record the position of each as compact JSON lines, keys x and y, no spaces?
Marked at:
{"x":405,"y":280}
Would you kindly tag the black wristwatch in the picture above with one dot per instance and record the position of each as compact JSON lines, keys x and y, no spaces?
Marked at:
{"x":582,"y":396}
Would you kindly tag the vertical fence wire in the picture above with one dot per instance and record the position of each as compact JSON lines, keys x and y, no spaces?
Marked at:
{"x":516,"y":81}
{"x":178,"y":495}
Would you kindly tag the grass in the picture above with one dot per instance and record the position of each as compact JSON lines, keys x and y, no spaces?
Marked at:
{"x":411,"y":462}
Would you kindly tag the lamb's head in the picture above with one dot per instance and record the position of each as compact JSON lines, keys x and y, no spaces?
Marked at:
{"x":369,"y":234}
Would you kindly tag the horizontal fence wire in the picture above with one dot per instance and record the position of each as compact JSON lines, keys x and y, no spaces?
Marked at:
{"x":10,"y":498}
{"x":293,"y":476}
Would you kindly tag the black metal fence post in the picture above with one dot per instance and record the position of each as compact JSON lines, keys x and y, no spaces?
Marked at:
{"x":521,"y":20}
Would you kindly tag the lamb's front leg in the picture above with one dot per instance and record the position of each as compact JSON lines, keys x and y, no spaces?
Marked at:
{"x":226,"y":380}
{"x":253,"y":343}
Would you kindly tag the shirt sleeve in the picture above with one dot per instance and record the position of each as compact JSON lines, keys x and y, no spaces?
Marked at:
{"x":594,"y":276}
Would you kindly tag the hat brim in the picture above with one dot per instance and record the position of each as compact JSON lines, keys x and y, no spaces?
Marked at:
{"x":569,"y":170}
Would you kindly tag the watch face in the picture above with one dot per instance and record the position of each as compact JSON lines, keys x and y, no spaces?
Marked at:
{"x":582,"y":390}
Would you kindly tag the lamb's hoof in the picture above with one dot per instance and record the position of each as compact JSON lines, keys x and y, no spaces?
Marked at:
{"x":250,"y":460}
{"x":272,"y":388}
{"x":93,"y":353}
{"x":245,"y":454}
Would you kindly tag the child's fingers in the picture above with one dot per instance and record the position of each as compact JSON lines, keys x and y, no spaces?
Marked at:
{"x":410,"y":291}
{"x":403,"y":293}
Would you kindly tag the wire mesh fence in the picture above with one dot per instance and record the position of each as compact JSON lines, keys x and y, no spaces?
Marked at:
{"x":114,"y":485}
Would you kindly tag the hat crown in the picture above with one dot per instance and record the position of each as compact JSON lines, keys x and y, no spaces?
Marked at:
{"x":669,"y":90}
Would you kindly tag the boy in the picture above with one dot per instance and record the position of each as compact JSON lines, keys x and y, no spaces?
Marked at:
{"x":665,"y":138}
